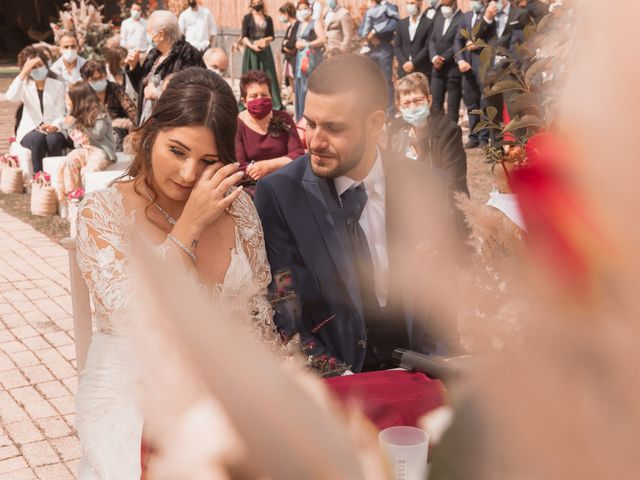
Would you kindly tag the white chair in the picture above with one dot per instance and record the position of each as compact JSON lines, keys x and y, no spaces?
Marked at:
{"x":81,"y":306}
{"x":24,"y":157}
{"x":98,"y":180}
{"x":50,"y":165}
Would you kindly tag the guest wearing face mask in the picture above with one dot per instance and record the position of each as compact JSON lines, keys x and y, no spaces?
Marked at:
{"x":338,"y":25}
{"x":310,"y":40}
{"x":133,"y":31}
{"x":266,"y":139}
{"x":501,"y":27}
{"x":115,"y":59}
{"x":432,"y":8}
{"x":287,"y":17}
{"x":446,"y":79}
{"x":257,"y":35}
{"x":68,"y":66}
{"x":198,"y":26}
{"x":169,"y":53}
{"x":411,"y":43}
{"x":427,"y":136}
{"x":120,"y":107}
{"x":468,"y":59}
{"x":43,"y":111}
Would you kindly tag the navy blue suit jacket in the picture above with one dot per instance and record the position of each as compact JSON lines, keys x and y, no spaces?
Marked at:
{"x":315,"y":287}
{"x":471,"y":56}
{"x":444,"y":44}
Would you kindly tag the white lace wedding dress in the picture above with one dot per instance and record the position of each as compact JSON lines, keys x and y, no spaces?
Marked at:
{"x":108,"y":420}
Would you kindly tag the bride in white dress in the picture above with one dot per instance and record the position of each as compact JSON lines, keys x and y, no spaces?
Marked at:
{"x":182,"y":198}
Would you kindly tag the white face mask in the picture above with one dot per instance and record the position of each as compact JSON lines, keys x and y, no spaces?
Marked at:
{"x":39,"y":73}
{"x":302,"y":15}
{"x":69,"y":55}
{"x":135,"y":14}
{"x":447,"y":11}
{"x":412,"y":9}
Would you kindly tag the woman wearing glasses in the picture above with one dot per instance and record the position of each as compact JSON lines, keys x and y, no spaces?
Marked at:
{"x":426,"y":136}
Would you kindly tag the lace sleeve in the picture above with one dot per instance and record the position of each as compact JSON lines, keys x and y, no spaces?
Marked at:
{"x":248,"y":222}
{"x":102,"y":227}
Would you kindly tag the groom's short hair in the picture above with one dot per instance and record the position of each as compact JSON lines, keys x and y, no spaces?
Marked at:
{"x":351,"y":73}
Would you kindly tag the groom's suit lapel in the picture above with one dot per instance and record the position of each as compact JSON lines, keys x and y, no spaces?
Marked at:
{"x":324,"y":205}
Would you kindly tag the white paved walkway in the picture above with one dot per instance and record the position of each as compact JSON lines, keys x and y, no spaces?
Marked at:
{"x":37,"y":357}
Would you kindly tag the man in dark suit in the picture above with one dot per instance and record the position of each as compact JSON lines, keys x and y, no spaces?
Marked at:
{"x":446,"y":78}
{"x":382,"y":49}
{"x":327,"y":220}
{"x":536,"y":9}
{"x":411,"y":44}
{"x":501,"y":27}
{"x":468,"y":60}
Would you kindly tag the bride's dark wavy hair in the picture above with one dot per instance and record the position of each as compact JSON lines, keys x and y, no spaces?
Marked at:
{"x":194,"y":97}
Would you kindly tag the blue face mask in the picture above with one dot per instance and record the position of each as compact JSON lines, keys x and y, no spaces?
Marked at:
{"x":434,"y":3}
{"x":500,"y":6}
{"x":98,"y":85}
{"x":476,"y":5}
{"x":39,"y":73}
{"x":332,"y":4}
{"x":416,"y":116}
{"x":151,"y":42}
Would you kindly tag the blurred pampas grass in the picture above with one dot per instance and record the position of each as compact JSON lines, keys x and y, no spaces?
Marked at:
{"x":232,"y":407}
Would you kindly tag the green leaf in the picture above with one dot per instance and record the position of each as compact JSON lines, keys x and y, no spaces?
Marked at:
{"x":528,"y":121}
{"x":523,"y":51}
{"x":486,"y":57}
{"x":506,"y":86}
{"x":477,"y":112}
{"x":465,"y":33}
{"x":530,"y":30}
{"x":475,"y":30}
{"x":534,"y":70}
{"x":480,"y":126}
{"x":491,"y":113}
{"x":480,"y":43}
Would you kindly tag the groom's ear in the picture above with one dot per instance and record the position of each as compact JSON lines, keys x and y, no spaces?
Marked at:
{"x":376,"y":121}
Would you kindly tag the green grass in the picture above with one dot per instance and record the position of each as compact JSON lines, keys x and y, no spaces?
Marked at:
{"x":18,"y":206}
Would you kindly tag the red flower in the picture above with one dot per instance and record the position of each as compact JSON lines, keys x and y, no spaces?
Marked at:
{"x":559,"y":227}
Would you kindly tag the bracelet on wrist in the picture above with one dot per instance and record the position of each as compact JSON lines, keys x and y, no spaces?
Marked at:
{"x":182,"y":247}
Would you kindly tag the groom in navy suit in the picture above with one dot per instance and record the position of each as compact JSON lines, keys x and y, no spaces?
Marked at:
{"x":327,"y":219}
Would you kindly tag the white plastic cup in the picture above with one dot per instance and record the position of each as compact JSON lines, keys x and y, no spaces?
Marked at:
{"x":406,"y":449}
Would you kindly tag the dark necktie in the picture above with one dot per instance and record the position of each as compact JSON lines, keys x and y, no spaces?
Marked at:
{"x":353,"y":203}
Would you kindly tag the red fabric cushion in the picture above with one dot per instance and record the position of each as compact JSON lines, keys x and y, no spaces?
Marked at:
{"x":389,"y":398}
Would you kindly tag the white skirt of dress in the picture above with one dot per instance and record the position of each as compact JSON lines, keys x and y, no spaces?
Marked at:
{"x":108,"y":419}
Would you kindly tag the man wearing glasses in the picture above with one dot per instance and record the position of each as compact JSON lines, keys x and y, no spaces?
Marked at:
{"x":425,"y":135}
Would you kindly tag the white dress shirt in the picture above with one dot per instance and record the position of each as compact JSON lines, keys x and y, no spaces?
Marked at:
{"x":373,"y":222}
{"x":502,"y":19}
{"x":67,"y":77}
{"x":316,"y":10}
{"x":413,"y":26}
{"x":198,"y":27}
{"x":133,"y":34}
{"x":447,"y":23}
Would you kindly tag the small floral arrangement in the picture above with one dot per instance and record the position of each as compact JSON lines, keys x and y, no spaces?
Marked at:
{"x":6,"y":159}
{"x":278,"y":126}
{"x":77,"y":194}
{"x":41,"y":175}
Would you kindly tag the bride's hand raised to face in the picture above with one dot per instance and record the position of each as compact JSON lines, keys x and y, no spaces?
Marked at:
{"x":207,"y":200}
